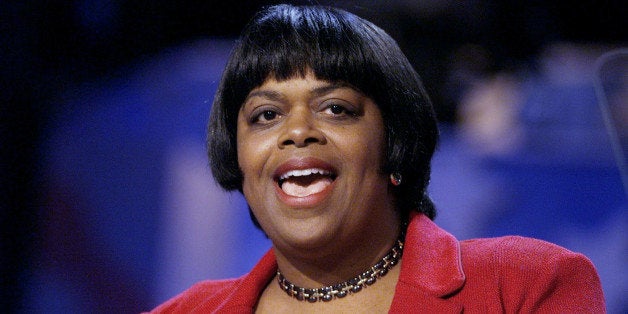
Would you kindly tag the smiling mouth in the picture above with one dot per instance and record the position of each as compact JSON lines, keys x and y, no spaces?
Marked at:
{"x":302,"y":183}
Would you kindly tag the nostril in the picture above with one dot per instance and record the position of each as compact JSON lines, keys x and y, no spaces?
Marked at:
{"x":300,"y":143}
{"x":288,"y":142}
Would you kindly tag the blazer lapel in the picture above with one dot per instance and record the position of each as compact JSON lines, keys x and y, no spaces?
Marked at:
{"x":245,"y":294}
{"x":431,"y":270}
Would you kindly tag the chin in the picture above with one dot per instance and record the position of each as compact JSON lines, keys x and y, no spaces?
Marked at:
{"x":308,"y":233}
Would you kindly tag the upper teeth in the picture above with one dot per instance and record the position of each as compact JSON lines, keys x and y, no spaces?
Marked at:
{"x":304,"y":172}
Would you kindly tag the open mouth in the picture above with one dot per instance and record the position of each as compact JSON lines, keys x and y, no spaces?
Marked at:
{"x":302,"y":183}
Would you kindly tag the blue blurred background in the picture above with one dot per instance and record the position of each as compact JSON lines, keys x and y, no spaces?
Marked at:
{"x":108,"y":204}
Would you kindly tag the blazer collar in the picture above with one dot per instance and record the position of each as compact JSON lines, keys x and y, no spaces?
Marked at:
{"x":431,"y":269}
{"x":431,"y":258}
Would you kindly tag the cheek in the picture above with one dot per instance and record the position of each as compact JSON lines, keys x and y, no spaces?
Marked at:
{"x":245,"y":158}
{"x":244,"y":149}
{"x":253,"y":153}
{"x":247,"y":166}
{"x":252,"y":159}
{"x":375,"y":144}
{"x":375,"y":156}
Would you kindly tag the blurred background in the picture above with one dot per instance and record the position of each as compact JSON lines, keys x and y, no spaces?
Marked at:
{"x":107,"y":203}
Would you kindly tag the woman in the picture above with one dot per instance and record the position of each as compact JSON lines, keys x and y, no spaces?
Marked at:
{"x":323,"y":125}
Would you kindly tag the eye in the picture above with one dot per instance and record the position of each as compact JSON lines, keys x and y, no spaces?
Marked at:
{"x":268,"y":115}
{"x":264,"y":116}
{"x":338,"y":109}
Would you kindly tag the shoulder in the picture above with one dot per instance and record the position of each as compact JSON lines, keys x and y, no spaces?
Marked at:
{"x":532,"y":273}
{"x":522,"y":258}
{"x":229,"y":295}
{"x":201,"y":292}
{"x":514,"y":247}
{"x":521,"y":253}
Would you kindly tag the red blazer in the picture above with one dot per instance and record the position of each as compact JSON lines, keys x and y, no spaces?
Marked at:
{"x":440,"y":274}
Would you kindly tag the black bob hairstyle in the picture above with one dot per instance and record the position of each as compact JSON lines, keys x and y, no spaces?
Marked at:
{"x":285,"y":41}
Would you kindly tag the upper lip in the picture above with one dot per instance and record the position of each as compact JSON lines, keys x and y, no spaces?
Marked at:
{"x":303,"y":166}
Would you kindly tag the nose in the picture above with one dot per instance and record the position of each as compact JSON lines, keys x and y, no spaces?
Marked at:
{"x":300,"y":130}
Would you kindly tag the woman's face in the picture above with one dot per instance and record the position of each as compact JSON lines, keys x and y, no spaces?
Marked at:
{"x":311,"y":153}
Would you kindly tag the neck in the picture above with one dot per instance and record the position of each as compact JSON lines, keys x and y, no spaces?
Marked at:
{"x":328,"y":266}
{"x":365,"y":278}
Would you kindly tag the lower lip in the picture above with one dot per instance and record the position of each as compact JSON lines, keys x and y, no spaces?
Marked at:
{"x":306,"y":201}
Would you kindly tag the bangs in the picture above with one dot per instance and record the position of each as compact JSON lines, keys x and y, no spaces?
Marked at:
{"x":292,"y":41}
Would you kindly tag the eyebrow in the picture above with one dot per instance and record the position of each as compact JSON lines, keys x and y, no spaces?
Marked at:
{"x":318,"y":91}
{"x":272,"y":95}
{"x":329,"y":87}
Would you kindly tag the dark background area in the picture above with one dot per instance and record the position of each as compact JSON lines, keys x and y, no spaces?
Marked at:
{"x":50,"y":46}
